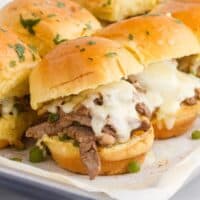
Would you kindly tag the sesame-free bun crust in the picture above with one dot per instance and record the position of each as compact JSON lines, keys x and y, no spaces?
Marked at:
{"x":185,"y":118}
{"x":153,"y":38}
{"x":14,"y":72}
{"x":62,"y":19}
{"x":187,"y":11}
{"x":114,"y":160}
{"x":79,"y":65}
{"x":118,"y":9}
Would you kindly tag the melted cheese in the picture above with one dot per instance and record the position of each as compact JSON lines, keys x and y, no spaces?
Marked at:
{"x":118,"y":109}
{"x":8,"y":106}
{"x":167,"y":88}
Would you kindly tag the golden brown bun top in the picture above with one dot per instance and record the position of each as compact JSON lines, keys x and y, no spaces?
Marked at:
{"x":78,"y":65}
{"x":52,"y":21}
{"x":153,"y":37}
{"x":16,"y":61}
{"x":186,"y":11}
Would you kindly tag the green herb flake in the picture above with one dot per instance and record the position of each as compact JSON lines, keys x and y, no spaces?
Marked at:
{"x":196,"y":135}
{"x":20,"y":50}
{"x":60,"y":4}
{"x":133,"y":167}
{"x":63,"y":138}
{"x":51,"y":15}
{"x":82,"y":50}
{"x":29,"y":24}
{"x":53,"y":117}
{"x":108,"y":3}
{"x":16,"y":159}
{"x":12,"y":63}
{"x":57,"y":40}
{"x":111,"y":54}
{"x":91,"y":42}
{"x":90,"y":59}
{"x":36,"y":155}
{"x":130,"y":36}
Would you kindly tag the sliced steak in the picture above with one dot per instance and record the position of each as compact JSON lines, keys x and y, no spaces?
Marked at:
{"x":143,"y":109}
{"x":88,"y":150}
{"x":190,"y":101}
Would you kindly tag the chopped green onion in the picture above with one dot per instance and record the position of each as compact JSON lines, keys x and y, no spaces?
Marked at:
{"x":20,"y":50}
{"x":133,"y":167}
{"x":64,"y":138}
{"x":16,"y":159}
{"x":196,"y":135}
{"x":60,"y":4}
{"x":53,"y":117}
{"x":36,"y":155}
{"x":57,"y":40}
{"x":111,"y":54}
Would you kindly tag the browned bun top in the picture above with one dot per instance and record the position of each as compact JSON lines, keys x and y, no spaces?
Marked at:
{"x":153,"y":37}
{"x":78,"y":65}
{"x":46,"y":23}
{"x":188,"y":12}
{"x":16,"y":62}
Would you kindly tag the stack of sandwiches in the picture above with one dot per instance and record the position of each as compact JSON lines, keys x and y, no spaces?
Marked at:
{"x":98,"y":96}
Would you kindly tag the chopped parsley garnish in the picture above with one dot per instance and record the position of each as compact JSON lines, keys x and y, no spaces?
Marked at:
{"x":33,"y":51}
{"x":107,"y":3}
{"x":130,"y":36}
{"x":91,"y":59}
{"x":36,"y":155}
{"x":60,"y":4}
{"x":29,"y":24}
{"x":12,"y":63}
{"x":82,"y":50}
{"x":16,"y":159}
{"x":20,"y":50}
{"x":91,"y":42}
{"x":53,"y":117}
{"x":51,"y":15}
{"x":111,"y":54}
{"x":57,"y":40}
{"x":196,"y":135}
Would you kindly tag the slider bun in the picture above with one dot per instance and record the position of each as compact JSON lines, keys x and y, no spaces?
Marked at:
{"x":13,"y":71}
{"x":79,"y":65}
{"x":114,"y":160}
{"x":58,"y":19}
{"x":188,"y":13}
{"x":153,"y":38}
{"x":185,"y":118}
{"x":119,"y":9}
{"x":12,"y":127}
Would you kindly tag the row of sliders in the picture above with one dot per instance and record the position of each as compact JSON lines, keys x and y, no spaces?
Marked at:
{"x":101,"y":100}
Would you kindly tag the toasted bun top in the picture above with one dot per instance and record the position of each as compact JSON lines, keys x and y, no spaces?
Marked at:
{"x":78,"y":65}
{"x":16,"y":62}
{"x":153,"y":38}
{"x":188,"y":13}
{"x":46,"y":23}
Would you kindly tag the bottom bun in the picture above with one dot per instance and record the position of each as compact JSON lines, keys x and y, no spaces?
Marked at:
{"x":13,"y":127}
{"x":185,"y":118}
{"x":114,"y":160}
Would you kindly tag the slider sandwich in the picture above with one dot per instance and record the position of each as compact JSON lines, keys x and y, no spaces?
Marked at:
{"x":115,"y":10}
{"x":93,"y":120}
{"x":189,"y":13}
{"x":16,"y":63}
{"x":47,"y":23}
{"x":159,"y":42}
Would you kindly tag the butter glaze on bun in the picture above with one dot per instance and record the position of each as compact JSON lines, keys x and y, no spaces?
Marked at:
{"x":45,"y":24}
{"x":79,"y":65}
{"x":153,"y":38}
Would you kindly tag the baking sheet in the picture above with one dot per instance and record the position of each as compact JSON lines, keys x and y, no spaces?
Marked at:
{"x":165,"y":170}
{"x":167,"y":167}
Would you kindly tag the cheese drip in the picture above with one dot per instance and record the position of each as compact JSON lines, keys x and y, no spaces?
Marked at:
{"x":8,"y":106}
{"x":117,"y":110}
{"x":166,"y":89}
